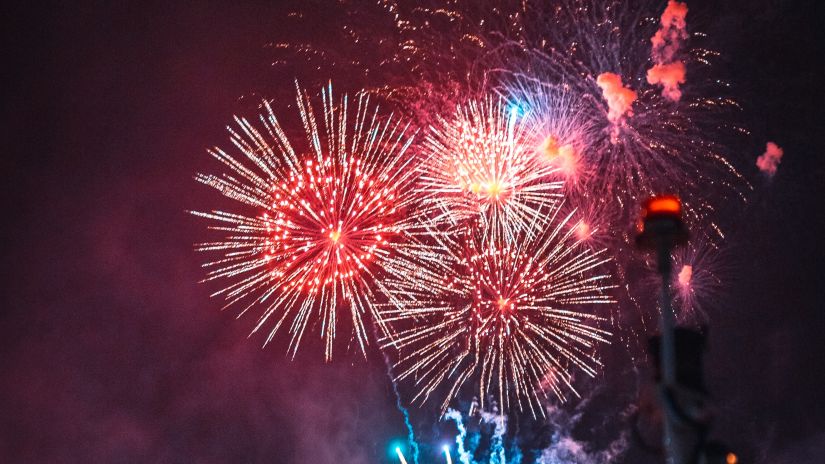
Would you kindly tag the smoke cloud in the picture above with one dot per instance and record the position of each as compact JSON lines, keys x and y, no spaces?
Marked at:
{"x":560,"y":445}
{"x":769,"y":161}
{"x":668,"y":71}
{"x":619,"y":98}
{"x":566,"y":449}
{"x":669,"y":76}
{"x":672,"y":32}
{"x":685,"y":275}
{"x":560,"y":155}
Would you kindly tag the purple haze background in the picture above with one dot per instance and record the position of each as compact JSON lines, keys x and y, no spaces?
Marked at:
{"x":110,"y":351}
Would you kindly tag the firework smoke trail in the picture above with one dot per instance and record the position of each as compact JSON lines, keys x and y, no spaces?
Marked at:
{"x":403,"y":410}
{"x":455,"y":416}
{"x":319,"y":219}
{"x":509,"y":315}
{"x":497,"y":455}
{"x":668,"y":70}
{"x":619,"y":99}
{"x":438,"y":54}
{"x":479,"y":166}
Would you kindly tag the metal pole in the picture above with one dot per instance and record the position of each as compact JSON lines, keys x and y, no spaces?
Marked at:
{"x":683,"y":408}
{"x":667,"y":349}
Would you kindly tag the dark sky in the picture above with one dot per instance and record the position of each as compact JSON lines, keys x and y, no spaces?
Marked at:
{"x":110,"y":351}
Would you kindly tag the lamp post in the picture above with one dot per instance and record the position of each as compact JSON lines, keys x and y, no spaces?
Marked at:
{"x":661,"y":229}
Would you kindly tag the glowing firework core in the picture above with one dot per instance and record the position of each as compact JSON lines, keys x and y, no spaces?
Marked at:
{"x":481,"y":165}
{"x":329,"y":221}
{"x":498,"y":289}
{"x":324,"y":216}
{"x":561,"y":156}
{"x":583,"y":231}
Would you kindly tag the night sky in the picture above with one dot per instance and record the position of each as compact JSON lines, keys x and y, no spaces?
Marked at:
{"x":110,"y":349}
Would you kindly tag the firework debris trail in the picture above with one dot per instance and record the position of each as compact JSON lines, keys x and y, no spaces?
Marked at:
{"x":404,"y":412}
{"x":668,"y":71}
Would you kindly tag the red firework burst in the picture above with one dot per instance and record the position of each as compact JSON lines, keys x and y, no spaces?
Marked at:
{"x":323,"y":221}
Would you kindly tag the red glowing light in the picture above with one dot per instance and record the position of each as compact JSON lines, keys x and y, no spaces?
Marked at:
{"x":665,"y":205}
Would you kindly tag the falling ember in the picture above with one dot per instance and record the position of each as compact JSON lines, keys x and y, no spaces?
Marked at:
{"x":321,"y":220}
{"x":400,"y":455}
{"x":500,"y":314}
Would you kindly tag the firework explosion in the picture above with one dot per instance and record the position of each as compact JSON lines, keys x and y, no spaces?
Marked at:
{"x":634,"y":137}
{"x":700,"y":274}
{"x":323,"y":219}
{"x":480,"y":166}
{"x":559,"y":131}
{"x":615,"y":68}
{"x":544,"y":122}
{"x":507,"y":316}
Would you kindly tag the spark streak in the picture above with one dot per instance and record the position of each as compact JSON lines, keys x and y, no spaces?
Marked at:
{"x":400,"y":455}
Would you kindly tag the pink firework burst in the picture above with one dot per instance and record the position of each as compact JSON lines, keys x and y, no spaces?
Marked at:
{"x":481,"y":167}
